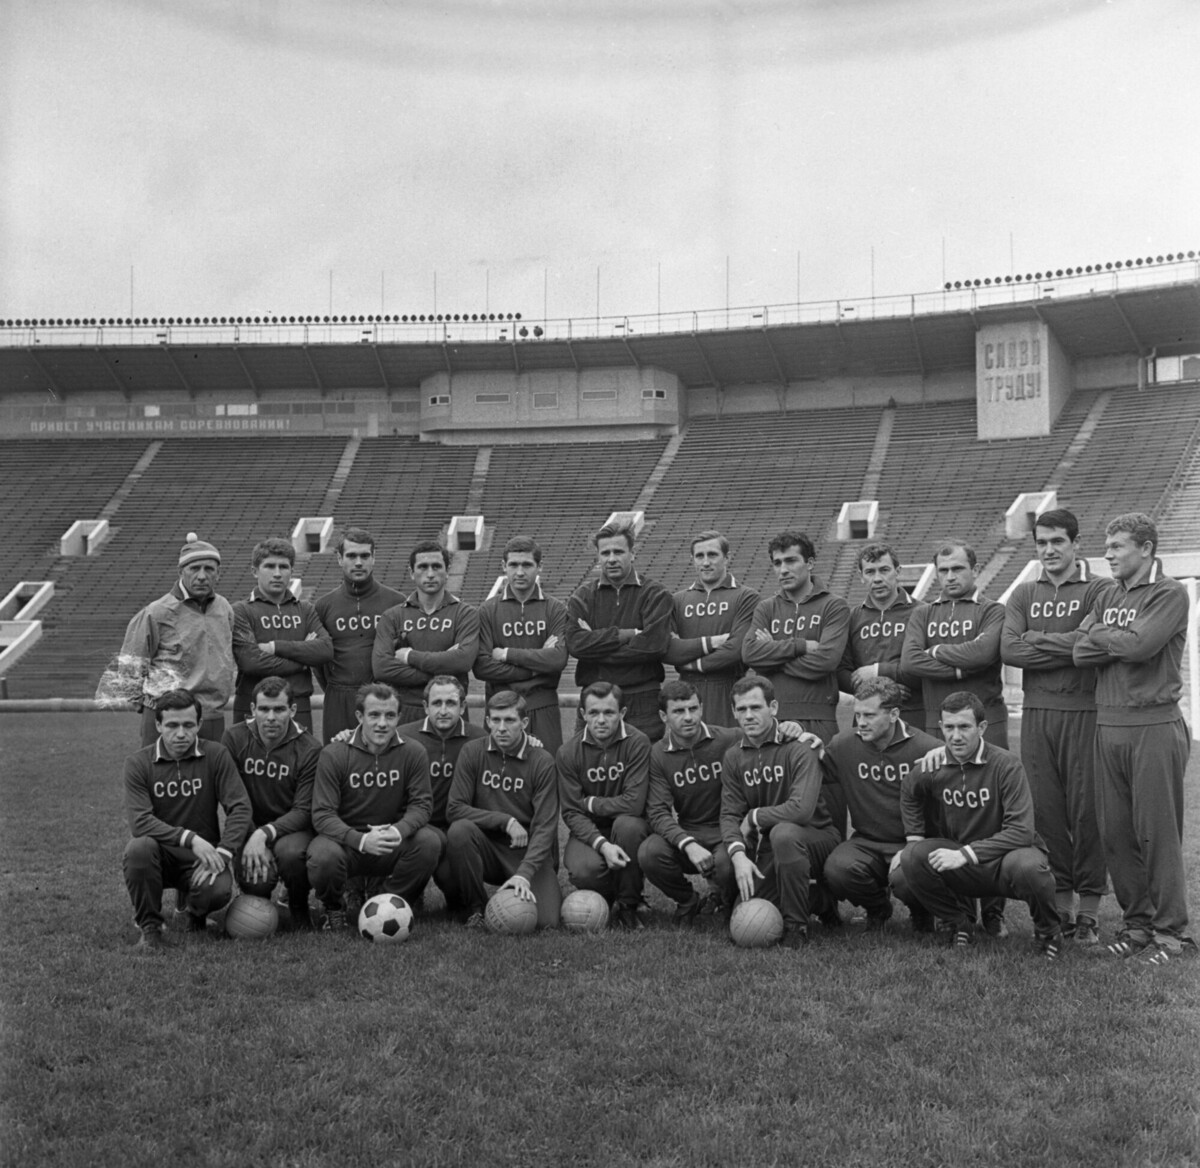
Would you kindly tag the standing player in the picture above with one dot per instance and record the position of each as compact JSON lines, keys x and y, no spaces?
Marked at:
{"x":443,"y":732}
{"x":603,"y":772}
{"x":183,"y":640}
{"x":371,"y":804}
{"x":350,"y":614}
{"x":619,"y":627}
{"x":683,"y":804}
{"x":173,"y":789}
{"x":276,"y":635}
{"x":797,"y":637}
{"x":953,"y":644}
{"x":523,"y":641}
{"x":277,"y":761}
{"x":429,"y":632}
{"x":771,"y":802}
{"x":990,"y":847}
{"x":1058,"y":727}
{"x":871,"y":762}
{"x":877,"y":628}
{"x":711,"y":619}
{"x":1134,"y":637}
{"x":504,"y":816}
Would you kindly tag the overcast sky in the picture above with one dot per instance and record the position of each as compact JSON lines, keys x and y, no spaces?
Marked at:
{"x":235,"y":152}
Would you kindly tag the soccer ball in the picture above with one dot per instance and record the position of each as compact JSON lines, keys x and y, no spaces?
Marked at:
{"x":584,"y":912}
{"x":251,"y":916}
{"x":755,"y":924}
{"x":385,"y":918}
{"x":507,"y":913}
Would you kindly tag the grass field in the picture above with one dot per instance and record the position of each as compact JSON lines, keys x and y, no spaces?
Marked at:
{"x":660,"y":1048}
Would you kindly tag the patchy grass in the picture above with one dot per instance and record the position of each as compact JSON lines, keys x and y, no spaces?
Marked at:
{"x":659,"y":1049}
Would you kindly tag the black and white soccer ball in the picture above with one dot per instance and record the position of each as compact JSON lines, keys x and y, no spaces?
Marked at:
{"x":385,"y":918}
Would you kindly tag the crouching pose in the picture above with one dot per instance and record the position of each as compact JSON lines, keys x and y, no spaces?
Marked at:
{"x":990,"y":846}
{"x":503,"y":812}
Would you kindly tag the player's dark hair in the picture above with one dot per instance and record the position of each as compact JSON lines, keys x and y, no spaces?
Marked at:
{"x":428,"y":547}
{"x":619,"y":528}
{"x":272,"y":687}
{"x":950,"y":546}
{"x":446,"y":679}
{"x":177,"y":699}
{"x":787,"y":539}
{"x":675,"y":691}
{"x":891,"y":694}
{"x":874,"y":552}
{"x":961,"y":700}
{"x":754,"y":681}
{"x":506,"y":699}
{"x":602,"y":689}
{"x":522,"y":543}
{"x":374,"y":689}
{"x":705,"y":536}
{"x":1137,"y":524}
{"x":355,"y":535}
{"x":1061,"y":518}
{"x":273,"y":546}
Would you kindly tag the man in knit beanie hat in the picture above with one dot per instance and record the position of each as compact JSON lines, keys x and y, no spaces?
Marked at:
{"x":183,"y":640}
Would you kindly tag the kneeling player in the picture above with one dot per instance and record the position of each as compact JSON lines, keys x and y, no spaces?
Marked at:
{"x":371,"y":804}
{"x":277,"y":760}
{"x":603,"y":771}
{"x":503,"y":812}
{"x":991,"y":847}
{"x":173,"y":788}
{"x":771,"y":801}
{"x":870,"y":763}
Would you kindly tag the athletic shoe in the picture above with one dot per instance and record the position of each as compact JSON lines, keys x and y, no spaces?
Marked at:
{"x":794,"y":937}
{"x":1164,"y":952}
{"x":921,"y":919}
{"x":1085,"y":931}
{"x":335,"y":921}
{"x":152,"y":941}
{"x":712,"y":903}
{"x":877,"y":919}
{"x":830,"y":918}
{"x":962,"y":939}
{"x":352,"y":902}
{"x":625,"y":916}
{"x":686,"y":914}
{"x":1128,"y":944}
{"x":280,"y":896}
{"x":995,"y":927}
{"x":476,"y":921}
{"x":196,"y":924}
{"x":1051,"y":946}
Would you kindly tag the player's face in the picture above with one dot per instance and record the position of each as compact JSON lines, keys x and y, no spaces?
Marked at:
{"x":792,"y":570}
{"x":1125,"y":556}
{"x":710,"y":562}
{"x":378,"y":719}
{"x":429,"y":573}
{"x":521,"y":572}
{"x":873,"y":721}
{"x":274,"y":575}
{"x":178,"y":730}
{"x":602,"y":716}
{"x":506,"y":727}
{"x":200,"y":578}
{"x":443,"y":707}
{"x":272,"y":716}
{"x":955,"y":574}
{"x":882,"y":579}
{"x":1056,"y":550}
{"x":683,"y":718}
{"x":962,"y":733}
{"x":753,"y":713}
{"x":357,"y":561}
{"x":616,"y":559}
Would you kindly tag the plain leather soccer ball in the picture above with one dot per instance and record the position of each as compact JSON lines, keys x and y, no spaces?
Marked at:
{"x":756,"y":924}
{"x":251,"y":917}
{"x":584,"y":912}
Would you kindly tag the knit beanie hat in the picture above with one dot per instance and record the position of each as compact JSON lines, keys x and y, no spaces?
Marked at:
{"x":197,"y":549}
